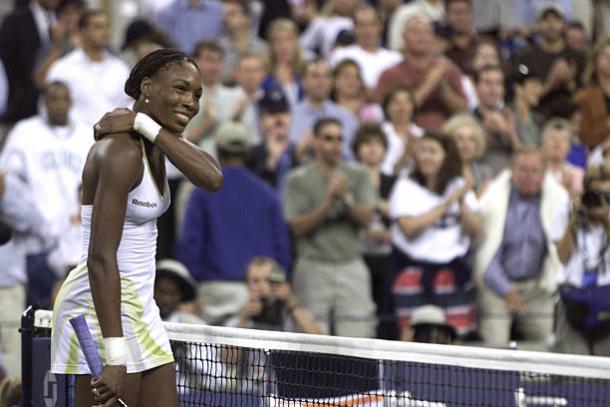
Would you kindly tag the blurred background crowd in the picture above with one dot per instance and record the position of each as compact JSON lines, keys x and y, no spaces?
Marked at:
{"x":429,"y":170}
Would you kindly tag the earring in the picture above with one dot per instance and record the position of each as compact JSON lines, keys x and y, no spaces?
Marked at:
{"x":146,"y":100}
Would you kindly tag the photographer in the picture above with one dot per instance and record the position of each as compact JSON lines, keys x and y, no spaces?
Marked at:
{"x":582,"y":325}
{"x":271,"y":304}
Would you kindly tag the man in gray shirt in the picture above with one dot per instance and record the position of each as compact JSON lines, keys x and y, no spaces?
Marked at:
{"x":516,"y":260}
{"x":328,"y":204}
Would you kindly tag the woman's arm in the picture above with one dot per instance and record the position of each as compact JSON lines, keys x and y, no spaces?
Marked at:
{"x":118,"y":165}
{"x":412,"y":226}
{"x":198,"y":166}
{"x":471,"y":222}
{"x":565,"y":246}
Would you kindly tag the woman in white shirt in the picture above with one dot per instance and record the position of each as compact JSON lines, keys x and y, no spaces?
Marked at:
{"x":435,"y":216}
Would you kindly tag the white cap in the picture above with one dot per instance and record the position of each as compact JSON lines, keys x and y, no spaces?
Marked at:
{"x":429,"y":315}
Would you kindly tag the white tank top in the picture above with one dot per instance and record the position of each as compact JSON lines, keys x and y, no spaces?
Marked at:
{"x":145,"y":203}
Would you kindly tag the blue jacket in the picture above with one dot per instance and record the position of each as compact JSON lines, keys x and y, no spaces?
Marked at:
{"x":224,"y":230}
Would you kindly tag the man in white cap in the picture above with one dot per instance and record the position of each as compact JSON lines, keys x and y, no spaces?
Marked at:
{"x":429,"y":325}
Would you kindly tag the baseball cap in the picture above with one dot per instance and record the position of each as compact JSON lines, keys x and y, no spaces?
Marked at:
{"x":233,"y":137}
{"x":549,"y":7}
{"x":178,"y":272}
{"x":429,"y":315}
{"x":522,"y":73}
{"x":273,"y":101}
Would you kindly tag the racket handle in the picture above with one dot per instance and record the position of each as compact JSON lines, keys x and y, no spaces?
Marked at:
{"x":88,"y":345}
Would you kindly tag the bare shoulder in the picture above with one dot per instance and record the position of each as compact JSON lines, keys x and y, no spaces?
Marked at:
{"x":117,"y":149}
{"x":117,"y":157}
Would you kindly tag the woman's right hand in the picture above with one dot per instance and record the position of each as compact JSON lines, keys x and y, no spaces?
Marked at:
{"x":108,"y":388}
{"x":118,"y":121}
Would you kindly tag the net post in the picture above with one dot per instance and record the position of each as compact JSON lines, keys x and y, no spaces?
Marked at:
{"x":27,"y":338}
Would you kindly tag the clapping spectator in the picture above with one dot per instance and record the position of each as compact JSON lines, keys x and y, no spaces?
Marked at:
{"x":400,"y":131}
{"x":322,"y":32}
{"x":436,"y":83}
{"x":316,"y":104}
{"x":250,"y":74}
{"x":276,"y":154}
{"x":64,"y":36}
{"x":435,"y":214}
{"x":238,"y":39}
{"x":469,"y":138}
{"x":433,"y":10}
{"x":550,"y":59}
{"x":496,"y":118}
{"x":595,"y":126}
{"x":367,"y":52}
{"x":369,"y":147}
{"x":349,"y":92}
{"x":286,"y":60}
{"x":527,"y":89}
{"x":556,"y":140}
{"x":327,"y":204}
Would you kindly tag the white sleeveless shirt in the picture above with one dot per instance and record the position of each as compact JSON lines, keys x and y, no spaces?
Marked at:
{"x":142,"y":326}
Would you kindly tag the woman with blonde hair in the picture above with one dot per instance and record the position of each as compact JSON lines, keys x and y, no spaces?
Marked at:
{"x":285,"y":60}
{"x":469,"y":138}
{"x":556,"y":142}
{"x":595,"y":96}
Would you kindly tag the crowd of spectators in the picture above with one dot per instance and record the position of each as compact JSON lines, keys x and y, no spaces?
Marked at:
{"x":379,"y":156}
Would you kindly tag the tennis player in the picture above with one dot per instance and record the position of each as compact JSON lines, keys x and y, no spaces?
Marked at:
{"x":125,"y":190}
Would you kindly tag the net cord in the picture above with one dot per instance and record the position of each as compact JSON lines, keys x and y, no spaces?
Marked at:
{"x":594,"y":367}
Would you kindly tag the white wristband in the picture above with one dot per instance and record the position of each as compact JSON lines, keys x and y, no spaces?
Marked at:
{"x":116,"y":350}
{"x":146,"y":126}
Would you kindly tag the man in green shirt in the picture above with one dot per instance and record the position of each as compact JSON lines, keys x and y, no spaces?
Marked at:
{"x":328,"y":204}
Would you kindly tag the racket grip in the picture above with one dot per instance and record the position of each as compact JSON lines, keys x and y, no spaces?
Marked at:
{"x":87,"y":344}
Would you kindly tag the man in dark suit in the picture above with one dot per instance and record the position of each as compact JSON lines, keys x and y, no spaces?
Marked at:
{"x":22,"y":33}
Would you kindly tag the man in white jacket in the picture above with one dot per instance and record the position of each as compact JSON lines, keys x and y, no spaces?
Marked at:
{"x":47,"y":152}
{"x":516,"y":260}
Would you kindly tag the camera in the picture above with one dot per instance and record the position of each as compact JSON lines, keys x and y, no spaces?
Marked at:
{"x":272,"y":312}
{"x":592,"y":199}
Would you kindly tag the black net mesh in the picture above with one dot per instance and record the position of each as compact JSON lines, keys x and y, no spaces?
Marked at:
{"x":213,"y":375}
{"x":224,"y":375}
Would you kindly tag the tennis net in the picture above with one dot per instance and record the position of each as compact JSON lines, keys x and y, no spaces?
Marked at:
{"x":218,"y":366}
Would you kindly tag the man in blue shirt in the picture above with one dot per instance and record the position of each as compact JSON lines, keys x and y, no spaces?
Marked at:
{"x":317,"y":83}
{"x":191,"y":21}
{"x":224,"y":231}
{"x":516,"y":262}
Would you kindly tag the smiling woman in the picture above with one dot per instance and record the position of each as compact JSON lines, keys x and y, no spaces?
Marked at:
{"x":124,"y":192}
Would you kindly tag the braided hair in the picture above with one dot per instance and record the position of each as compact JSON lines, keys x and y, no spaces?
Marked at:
{"x":150,"y":65}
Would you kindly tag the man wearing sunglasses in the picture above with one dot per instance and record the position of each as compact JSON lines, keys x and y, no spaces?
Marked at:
{"x":327,"y":204}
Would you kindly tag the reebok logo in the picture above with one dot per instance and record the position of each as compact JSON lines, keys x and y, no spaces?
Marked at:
{"x":136,"y":202}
